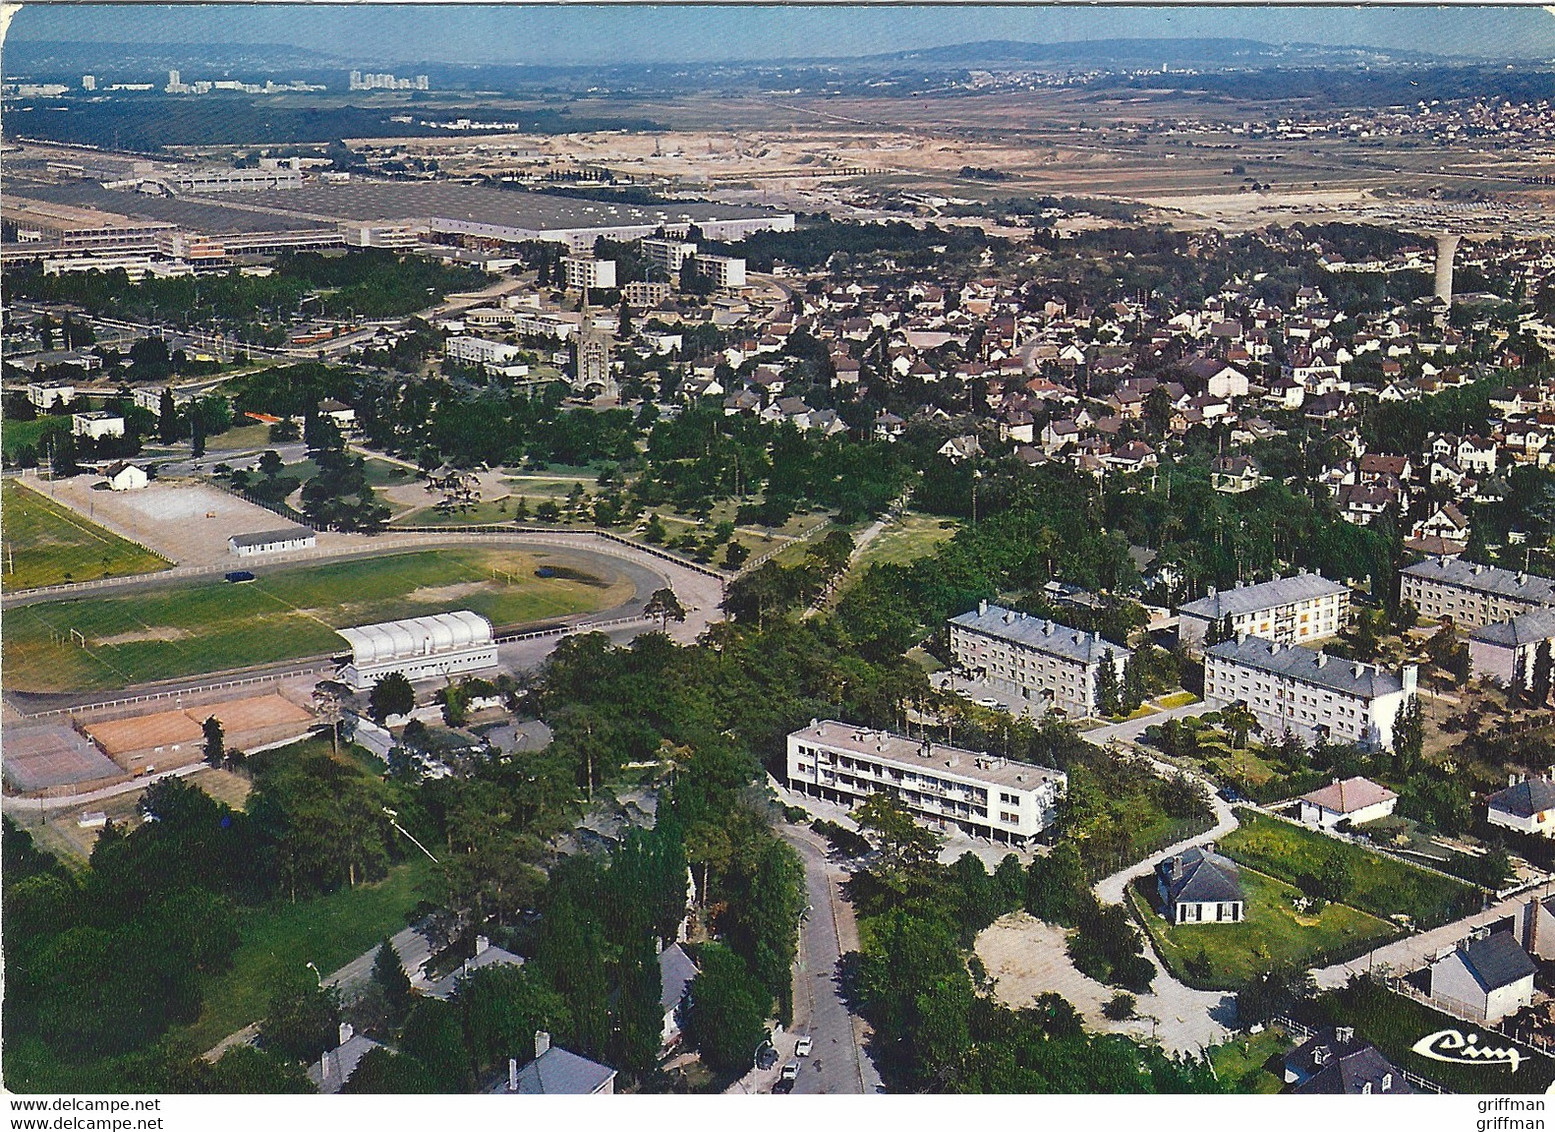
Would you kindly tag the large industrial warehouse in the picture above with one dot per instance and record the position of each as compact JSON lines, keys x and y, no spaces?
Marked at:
{"x":420,"y":648}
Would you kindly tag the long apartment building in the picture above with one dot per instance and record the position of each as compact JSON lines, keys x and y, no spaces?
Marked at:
{"x":947,"y":788}
{"x":1041,"y":661}
{"x":1306,"y":691}
{"x":1303,"y":607}
{"x":1473,"y":594}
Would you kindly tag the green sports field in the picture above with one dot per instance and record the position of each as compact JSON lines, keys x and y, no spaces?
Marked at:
{"x":210,"y":626}
{"x":46,"y":544}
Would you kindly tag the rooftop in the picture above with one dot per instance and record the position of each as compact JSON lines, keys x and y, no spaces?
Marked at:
{"x":1264,"y":595}
{"x":560,"y":1072}
{"x":263,"y":538}
{"x":1495,"y":960}
{"x":1524,"y":629}
{"x":368,"y":200}
{"x":1350,"y":795}
{"x":1040,"y":634}
{"x":901,"y":749}
{"x":1526,"y":798}
{"x":1317,"y":668}
{"x":1485,"y":579}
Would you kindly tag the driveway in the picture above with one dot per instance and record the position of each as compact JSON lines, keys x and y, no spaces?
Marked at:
{"x":1415,"y":951}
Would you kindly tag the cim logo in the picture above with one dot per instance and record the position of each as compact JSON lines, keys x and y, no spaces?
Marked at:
{"x":1452,"y":1047}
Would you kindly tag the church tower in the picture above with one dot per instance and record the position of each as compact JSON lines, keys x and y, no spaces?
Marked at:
{"x":591,"y":358}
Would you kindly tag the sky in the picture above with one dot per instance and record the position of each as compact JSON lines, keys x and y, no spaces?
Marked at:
{"x":535,"y":33}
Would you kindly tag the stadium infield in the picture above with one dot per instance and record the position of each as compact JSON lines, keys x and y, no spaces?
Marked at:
{"x":47,"y":544}
{"x":93,"y":644}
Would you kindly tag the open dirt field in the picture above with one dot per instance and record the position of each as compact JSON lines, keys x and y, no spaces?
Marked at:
{"x":175,"y":737}
{"x":187,"y":523}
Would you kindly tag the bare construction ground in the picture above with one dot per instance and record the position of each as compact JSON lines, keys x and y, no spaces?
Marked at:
{"x":186,"y":522}
{"x":1027,"y":958}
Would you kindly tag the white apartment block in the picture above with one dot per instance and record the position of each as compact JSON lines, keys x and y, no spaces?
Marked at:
{"x":1310,"y":693}
{"x":669,"y":255}
{"x":1473,"y":594}
{"x":46,"y":394}
{"x":1305,"y":607}
{"x":726,"y":272}
{"x":479,"y":351}
{"x":1050,"y":665}
{"x":947,"y":788}
{"x":595,"y":274}
{"x":96,"y":425}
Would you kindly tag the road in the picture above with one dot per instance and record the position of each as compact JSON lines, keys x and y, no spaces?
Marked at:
{"x":839,"y":1063}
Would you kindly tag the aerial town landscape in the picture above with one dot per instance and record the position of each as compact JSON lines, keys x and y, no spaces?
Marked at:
{"x":994,"y":562}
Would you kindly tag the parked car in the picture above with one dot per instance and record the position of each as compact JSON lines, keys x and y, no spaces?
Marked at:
{"x":803,"y":1045}
{"x":789,"y":1072}
{"x":989,"y":702}
{"x":1231,"y":794}
{"x":239,"y":575}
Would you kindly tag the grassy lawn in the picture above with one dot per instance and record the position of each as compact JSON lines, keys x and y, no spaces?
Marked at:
{"x":15,"y":434}
{"x":209,"y":626}
{"x":329,"y":931}
{"x":1176,"y":700}
{"x":1272,"y":932}
{"x":244,"y":438}
{"x":46,"y":544}
{"x":381,"y":473}
{"x":1379,"y":885}
{"x":1394,"y":1024}
{"x":907,"y":539}
{"x":1242,"y":1062}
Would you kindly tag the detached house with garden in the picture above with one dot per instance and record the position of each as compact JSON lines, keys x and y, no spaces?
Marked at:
{"x":1199,"y":886}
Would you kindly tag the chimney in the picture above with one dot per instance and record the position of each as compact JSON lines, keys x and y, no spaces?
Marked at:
{"x":1048,"y":628}
{"x":512,"y":1074}
{"x":346,"y":1030}
{"x":482,"y":943}
{"x":324,"y":1070}
{"x":1344,"y":1035}
{"x":1241,"y":637}
{"x":1322,"y":658}
{"x":1210,"y":592}
{"x":542,"y":1043}
{"x":982,"y":608}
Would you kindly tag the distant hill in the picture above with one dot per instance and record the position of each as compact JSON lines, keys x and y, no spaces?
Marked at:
{"x":1213,"y":53}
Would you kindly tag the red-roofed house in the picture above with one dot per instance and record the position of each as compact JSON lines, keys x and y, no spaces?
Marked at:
{"x":1356,"y":800}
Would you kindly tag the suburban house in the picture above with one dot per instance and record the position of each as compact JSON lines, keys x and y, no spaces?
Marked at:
{"x":1526,"y":805}
{"x":1333,"y":1060}
{"x":1199,"y":886}
{"x":1234,"y":474}
{"x":1303,"y":607}
{"x":1486,"y":977}
{"x":557,"y":1072}
{"x":485,"y":955}
{"x":125,"y":477}
{"x":676,"y":971}
{"x":336,"y":1065}
{"x":1534,"y":924}
{"x":1506,"y":649}
{"x":1355,"y":800}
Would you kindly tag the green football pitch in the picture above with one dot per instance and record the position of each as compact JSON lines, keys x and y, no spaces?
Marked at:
{"x":46,"y":544}
{"x":92,"y":644}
